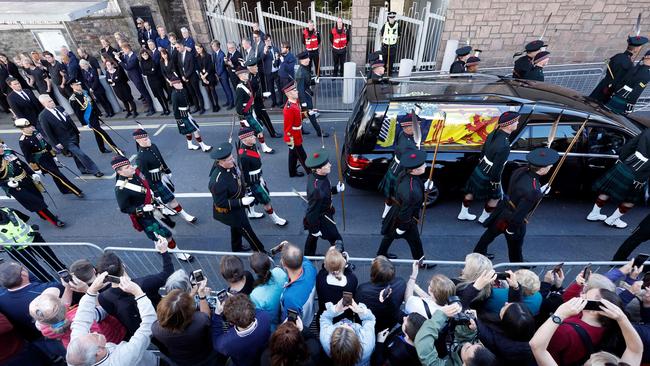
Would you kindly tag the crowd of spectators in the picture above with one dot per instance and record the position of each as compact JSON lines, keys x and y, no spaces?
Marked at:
{"x":284,"y":311}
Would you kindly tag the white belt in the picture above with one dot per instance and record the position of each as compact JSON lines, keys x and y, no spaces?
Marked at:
{"x":487,"y":161}
{"x":396,"y":159}
{"x":296,"y":128}
{"x":183,"y":108}
{"x":154,"y":170}
{"x":640,"y":156}
{"x":255,"y":172}
{"x":122,"y":184}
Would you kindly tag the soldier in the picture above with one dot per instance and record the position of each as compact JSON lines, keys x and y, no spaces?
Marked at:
{"x":319,"y":218}
{"x":339,"y":38}
{"x":229,"y":200}
{"x":539,"y":62}
{"x":459,"y":66}
{"x":629,"y":87}
{"x":152,"y":165}
{"x":136,"y":198}
{"x":41,"y":157}
{"x":250,"y":164}
{"x":19,"y":181}
{"x":304,"y":82}
{"x":625,"y":182}
{"x":389,"y":182}
{"x":639,"y":235}
{"x":377,"y":71}
{"x":311,"y":40}
{"x":617,"y":66}
{"x":293,"y":130}
{"x":524,"y":192}
{"x":88,"y":114}
{"x":485,"y":181}
{"x":401,"y":220}
{"x":389,"y":36}
{"x":258,"y":102}
{"x":472,"y":64}
{"x":244,"y":100}
{"x":186,"y":124}
{"x":524,"y":64}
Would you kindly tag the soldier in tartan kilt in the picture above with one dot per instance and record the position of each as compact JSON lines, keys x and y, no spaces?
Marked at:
{"x":186,"y":124}
{"x":154,"y":168}
{"x":625,"y":183}
{"x":251,"y":167}
{"x":244,"y":100}
{"x":485,"y":181}
{"x":405,"y":142}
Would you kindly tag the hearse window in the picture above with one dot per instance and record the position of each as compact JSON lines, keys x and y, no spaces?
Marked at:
{"x":537,"y":136}
{"x":604,"y":140}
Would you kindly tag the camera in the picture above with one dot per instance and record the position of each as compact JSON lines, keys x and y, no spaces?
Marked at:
{"x":462,"y":318}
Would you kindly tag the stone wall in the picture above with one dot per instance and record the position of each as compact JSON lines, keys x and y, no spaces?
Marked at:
{"x":579,"y":30}
{"x":17,"y":41}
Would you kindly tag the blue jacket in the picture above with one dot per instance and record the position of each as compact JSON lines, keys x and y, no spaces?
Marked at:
{"x":267,"y":296}
{"x":287,"y":67}
{"x":164,"y":43}
{"x":364,"y":331}
{"x":267,"y":60}
{"x":299,"y":294}
{"x":131,"y":65}
{"x":219,"y":64}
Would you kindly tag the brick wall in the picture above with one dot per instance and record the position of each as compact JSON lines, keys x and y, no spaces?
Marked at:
{"x":579,"y":30}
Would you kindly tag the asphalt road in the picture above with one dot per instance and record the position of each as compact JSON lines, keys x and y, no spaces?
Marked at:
{"x":558,"y":231}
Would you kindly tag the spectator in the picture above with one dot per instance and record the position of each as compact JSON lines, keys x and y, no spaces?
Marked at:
{"x":87,"y":348}
{"x":150,"y":34}
{"x":425,"y":303}
{"x":507,"y":335}
{"x":129,"y":62}
{"x":162,"y":42}
{"x":188,"y":41}
{"x":525,"y":283}
{"x":107,"y":48}
{"x":580,"y":286}
{"x":13,"y":70}
{"x":71,"y":62}
{"x":291,"y":345}
{"x":151,"y":69}
{"x":271,"y":62}
{"x":247,"y":51}
{"x":399,"y":348}
{"x":178,"y":280}
{"x":268,"y":286}
{"x":248,"y":335}
{"x":142,"y":37}
{"x":461,"y":350}
{"x":53,"y":317}
{"x":182,"y":333}
{"x":155,"y":53}
{"x":299,"y":291}
{"x":219,"y":59}
{"x":39,"y":79}
{"x":15,"y":351}
{"x":383,"y":280}
{"x":206,"y":71}
{"x":233,"y":61}
{"x":116,"y":78}
{"x":167,"y":66}
{"x":58,"y":73}
{"x":347,"y":343}
{"x":333,"y":279}
{"x":121,"y":304}
{"x":287,"y":64}
{"x":571,"y":309}
{"x":239,"y":280}
{"x":474,"y":294}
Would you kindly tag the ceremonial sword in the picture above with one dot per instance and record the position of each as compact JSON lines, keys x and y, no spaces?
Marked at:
{"x":304,"y":199}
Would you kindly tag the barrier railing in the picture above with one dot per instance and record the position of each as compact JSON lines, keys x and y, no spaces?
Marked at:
{"x":328,"y":93}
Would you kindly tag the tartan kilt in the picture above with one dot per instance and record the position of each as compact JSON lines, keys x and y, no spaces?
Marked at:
{"x":479,"y":186}
{"x":253,"y":123}
{"x":185,"y":126}
{"x":261,"y":193}
{"x":388,"y":184}
{"x":618,"y":183}
{"x":617,"y":105}
{"x":151,"y":226}
{"x":161,"y":191}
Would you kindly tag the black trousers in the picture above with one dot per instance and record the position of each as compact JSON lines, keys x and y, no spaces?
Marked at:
{"x":194,"y":90}
{"x":101,"y":136}
{"x":144,"y":93}
{"x":329,"y":232}
{"x":339,"y":60}
{"x":105,"y":103}
{"x":314,"y":61}
{"x":314,"y":123}
{"x":389,"y":55}
{"x":297,"y":154}
{"x":273,"y":82}
{"x":515,"y":241}
{"x":212,"y":94}
{"x":30,"y":256}
{"x":65,"y":186}
{"x":639,"y":235}
{"x":245,"y":231}
{"x":262,"y":116}
{"x":412,"y":237}
{"x":159,"y":93}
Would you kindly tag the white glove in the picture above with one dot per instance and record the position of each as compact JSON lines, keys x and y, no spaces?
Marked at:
{"x":304,"y":105}
{"x":399,"y":232}
{"x":247,"y":200}
{"x":428,"y":185}
{"x":36,"y":178}
{"x":12,"y":183}
{"x":262,"y":181}
{"x":317,"y":234}
{"x":147,"y":208}
{"x":546,"y":189}
{"x":245,"y":122}
{"x":58,"y":163}
{"x":340,"y":187}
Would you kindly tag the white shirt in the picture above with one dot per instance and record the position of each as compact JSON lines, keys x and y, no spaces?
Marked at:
{"x":415,"y":304}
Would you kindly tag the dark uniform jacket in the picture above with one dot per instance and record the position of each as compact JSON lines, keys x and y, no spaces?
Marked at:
{"x":496,"y":149}
{"x":250,"y":162}
{"x":130,"y":201}
{"x":635,"y":79}
{"x":404,"y":142}
{"x":523,"y":193}
{"x":523,"y":66}
{"x":319,"y":195}
{"x":36,"y":150}
{"x":536,"y":73}
{"x":227,"y":191}
{"x":408,"y":196}
{"x":26,"y":193}
{"x":640,"y":144}
{"x":618,"y":65}
{"x":303,"y":84}
{"x":150,"y":158}
{"x":80,"y":102}
{"x":458,"y":67}
{"x":244,"y":99}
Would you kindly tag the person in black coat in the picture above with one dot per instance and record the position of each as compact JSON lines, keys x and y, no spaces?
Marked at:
{"x":12,"y":70}
{"x":458,"y":66}
{"x":151,"y":70}
{"x":539,"y":62}
{"x":271,"y":61}
{"x":95,"y":87}
{"x":116,"y":78}
{"x":205,"y":66}
{"x":188,"y":71}
{"x":129,"y":62}
{"x":168,"y":67}
{"x":398,"y":348}
{"x":106,"y":46}
{"x":628,"y":89}
{"x":234,"y":60}
{"x":333,"y":279}
{"x":23,"y":102}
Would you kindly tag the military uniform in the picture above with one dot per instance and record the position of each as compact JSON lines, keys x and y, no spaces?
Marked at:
{"x":293,"y":134}
{"x":537,"y":72}
{"x":305,"y":94}
{"x":524,"y":64}
{"x":186,"y":124}
{"x":374,"y":76}
{"x":405,"y":142}
{"x":639,"y":235}
{"x":458,"y":66}
{"x":227,"y":189}
{"x":320,"y":212}
{"x":88,"y":114}
{"x":401,"y":220}
{"x":153,"y":167}
{"x":251,"y":169}
{"x":389,"y":37}
{"x":617,"y":66}
{"x":629,"y":88}
{"x":244,"y":100}
{"x":509,"y":218}
{"x":254,"y":86}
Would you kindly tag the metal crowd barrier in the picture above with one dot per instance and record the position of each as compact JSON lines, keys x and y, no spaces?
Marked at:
{"x":328,"y":93}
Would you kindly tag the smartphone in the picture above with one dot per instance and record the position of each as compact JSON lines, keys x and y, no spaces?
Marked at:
{"x":387,"y":292}
{"x":347,"y":298}
{"x":586,"y":272}
{"x":593,"y":305}
{"x":558,"y":267}
{"x":421,"y":261}
{"x":277,"y":249}
{"x":502,"y":275}
{"x":65,"y":275}
{"x":222,"y":296}
{"x":640,"y":259}
{"x":112,"y":279}
{"x":198,"y":275}
{"x":292,"y":315}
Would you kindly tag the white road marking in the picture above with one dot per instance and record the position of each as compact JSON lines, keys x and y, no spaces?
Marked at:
{"x":87,"y":129}
{"x":196,"y":195}
{"x":162,"y":127}
{"x":106,"y":177}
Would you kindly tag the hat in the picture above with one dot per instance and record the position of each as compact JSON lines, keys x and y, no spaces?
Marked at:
{"x":542,"y":157}
{"x":472,"y":60}
{"x":246,"y":132}
{"x":317,"y":159}
{"x":251,"y":62}
{"x":74,"y":81}
{"x":508,"y":118}
{"x":241,"y":70}
{"x":637,"y":40}
{"x":535,"y":45}
{"x":174,"y":79}
{"x":392,"y":14}
{"x":289,"y":87}
{"x":303,"y":55}
{"x":140,"y":134}
{"x":541,"y":56}
{"x":119,"y":161}
{"x":375,"y":56}
{"x":412,"y":158}
{"x":647,"y":53}
{"x":406,"y":120}
{"x":377,"y":63}
{"x":223,"y":151}
{"x":22,"y":122}
{"x":463,"y":51}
